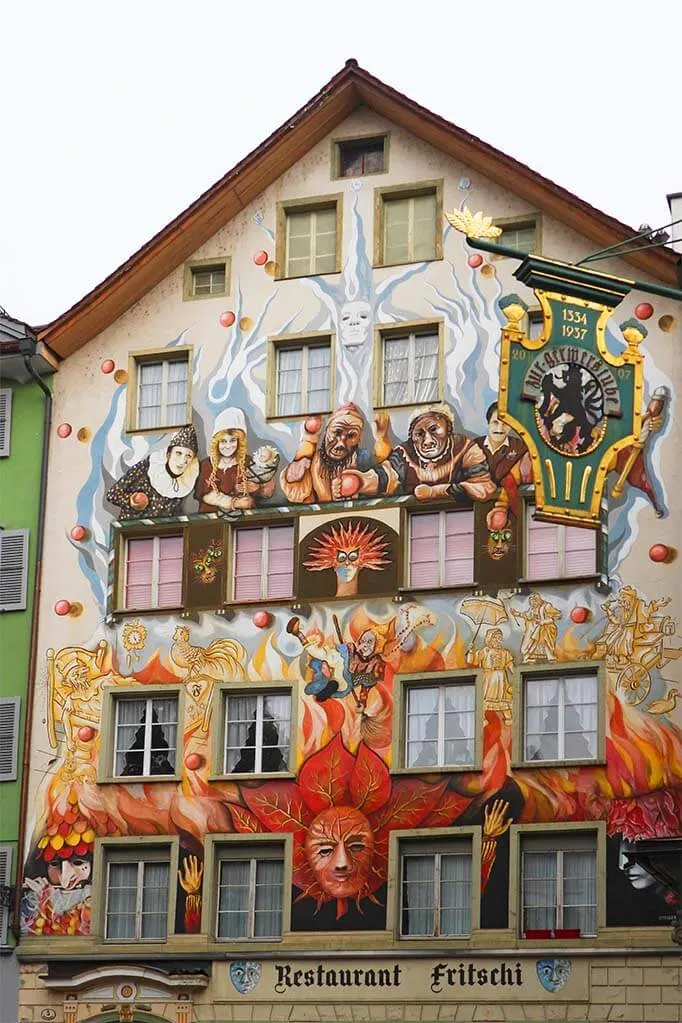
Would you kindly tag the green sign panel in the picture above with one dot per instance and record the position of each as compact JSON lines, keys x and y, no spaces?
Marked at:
{"x":573,"y":402}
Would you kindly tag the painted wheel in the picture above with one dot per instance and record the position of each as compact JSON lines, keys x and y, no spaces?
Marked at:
{"x":634,"y":683}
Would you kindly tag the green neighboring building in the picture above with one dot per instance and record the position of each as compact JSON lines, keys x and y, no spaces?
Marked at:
{"x":24,"y":407}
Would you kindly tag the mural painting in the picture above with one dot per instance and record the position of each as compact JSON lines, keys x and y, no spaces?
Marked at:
{"x":351,"y":634}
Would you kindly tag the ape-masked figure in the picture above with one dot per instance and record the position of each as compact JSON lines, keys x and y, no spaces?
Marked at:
{"x":315,"y":473}
{"x":433,"y":463}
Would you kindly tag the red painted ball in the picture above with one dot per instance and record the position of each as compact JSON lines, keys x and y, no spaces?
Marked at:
{"x":261,"y":258}
{"x":644,"y":311}
{"x":659,"y":552}
{"x":498,"y":519}
{"x":227,"y":318}
{"x":64,"y":430}
{"x":312,"y":424}
{"x":262,"y":619}
{"x":475,"y":261}
{"x":350,"y":484}
{"x":579,"y":615}
{"x":62,"y":607}
{"x":108,"y":366}
{"x":193,"y":761}
{"x":86,"y":733}
{"x":79,"y":533}
{"x":139,"y":500}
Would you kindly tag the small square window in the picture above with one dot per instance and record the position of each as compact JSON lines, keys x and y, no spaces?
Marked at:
{"x":146,"y":736}
{"x":153,"y":572}
{"x":263,"y":564}
{"x":257,"y":732}
{"x":410,"y":367}
{"x":308,"y":236}
{"x":160,"y":387}
{"x":441,"y":549}
{"x":303,"y":378}
{"x":554,"y":551}
{"x":207,"y":279}
{"x":435,"y":889}
{"x":358,"y":157}
{"x":560,"y":717}
{"x":521,"y":235}
{"x":250,"y":893}
{"x":440,"y":724}
{"x":408,"y":224}
{"x":137,"y":896}
{"x":559,"y":885}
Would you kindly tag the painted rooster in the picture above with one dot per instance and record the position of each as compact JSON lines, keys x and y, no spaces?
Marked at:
{"x":221,"y":660}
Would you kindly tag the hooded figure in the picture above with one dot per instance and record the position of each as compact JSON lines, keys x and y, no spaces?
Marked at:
{"x":323,"y":455}
{"x":157,"y":486}
{"x":230,"y":478}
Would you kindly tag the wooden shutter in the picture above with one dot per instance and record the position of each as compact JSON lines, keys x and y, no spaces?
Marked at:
{"x":205,"y":565}
{"x":5,"y":420}
{"x":5,"y":879}
{"x":9,"y":737}
{"x":498,"y":553}
{"x":13,"y":569}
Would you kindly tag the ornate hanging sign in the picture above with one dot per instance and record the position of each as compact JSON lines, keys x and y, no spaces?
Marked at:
{"x":574,"y":402}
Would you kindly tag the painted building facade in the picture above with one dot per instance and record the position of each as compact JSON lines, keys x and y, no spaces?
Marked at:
{"x":328,"y":725}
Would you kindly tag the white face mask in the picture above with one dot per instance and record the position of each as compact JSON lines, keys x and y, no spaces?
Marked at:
{"x":356,"y":320}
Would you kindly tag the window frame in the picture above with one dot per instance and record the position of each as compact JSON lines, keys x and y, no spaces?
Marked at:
{"x":528,"y":510}
{"x":338,"y":143}
{"x":218,"y":735}
{"x":561,"y":829}
{"x":145,"y":533}
{"x":258,"y":523}
{"x":312,"y":204}
{"x":411,"y":328}
{"x":430,"y":837}
{"x":108,"y":732}
{"x":181,"y":353}
{"x":148,"y":725}
{"x":520,"y":222}
{"x":5,"y":536}
{"x":442,"y":510}
{"x":205,"y":265}
{"x":547,"y":670}
{"x":162,"y":848}
{"x":280,"y":342}
{"x":427,"y":680}
{"x":254,"y":856}
{"x":411,"y":190}
{"x":15,"y":703}
{"x":6,"y":396}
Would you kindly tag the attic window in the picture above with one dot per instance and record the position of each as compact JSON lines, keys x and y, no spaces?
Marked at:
{"x":522,"y":235}
{"x":357,"y":157}
{"x":207,"y":279}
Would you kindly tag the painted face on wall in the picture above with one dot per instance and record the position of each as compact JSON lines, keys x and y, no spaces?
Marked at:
{"x":367,"y":644}
{"x":347,"y":564}
{"x":499,"y":543}
{"x":76,"y":676}
{"x":430,"y":434}
{"x":497,"y":431}
{"x":636,"y":874}
{"x":339,"y":846}
{"x":228,"y":443}
{"x":356,"y":318}
{"x":341,"y":440}
{"x":69,"y":874}
{"x":178,"y":460}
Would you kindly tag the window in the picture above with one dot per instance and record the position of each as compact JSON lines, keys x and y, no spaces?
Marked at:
{"x":158,"y":391}
{"x":440,"y":724}
{"x":5,"y":880}
{"x":250,"y":893}
{"x":263,"y":563}
{"x":441,"y":549}
{"x":408,"y":224}
{"x":435,"y":889}
{"x":308,"y":237}
{"x":560,"y":719}
{"x":137,"y":896}
{"x":520,"y":235}
{"x":357,"y":157}
{"x":13,"y":569}
{"x":9,"y":737}
{"x":5,"y":420}
{"x":206,"y":279}
{"x":410,"y":367}
{"x":559,"y":552}
{"x":559,"y":885}
{"x":153,"y":571}
{"x":146,"y":736}
{"x":303,"y":378}
{"x":257,"y":732}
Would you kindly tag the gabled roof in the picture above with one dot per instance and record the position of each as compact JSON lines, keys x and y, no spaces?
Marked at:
{"x":347,"y":90}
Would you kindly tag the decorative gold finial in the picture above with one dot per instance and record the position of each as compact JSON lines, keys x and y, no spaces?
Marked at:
{"x":473,"y":225}
{"x":634,"y":332}
{"x":514,"y":309}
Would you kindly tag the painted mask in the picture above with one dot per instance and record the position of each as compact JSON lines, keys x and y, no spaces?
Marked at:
{"x":339,"y":846}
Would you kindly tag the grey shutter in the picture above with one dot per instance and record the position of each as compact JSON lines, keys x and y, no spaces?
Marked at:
{"x":13,"y":569}
{"x":5,"y":420}
{"x":9,"y":737}
{"x":5,"y":878}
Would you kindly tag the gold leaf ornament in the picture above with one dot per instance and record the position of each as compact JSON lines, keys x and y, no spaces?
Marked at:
{"x":473,"y":225}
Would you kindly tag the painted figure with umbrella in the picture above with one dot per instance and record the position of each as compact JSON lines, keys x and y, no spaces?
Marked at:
{"x":495,"y":660}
